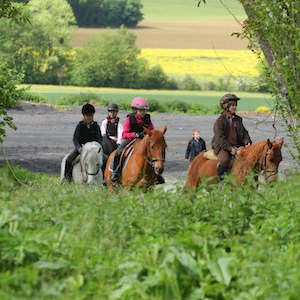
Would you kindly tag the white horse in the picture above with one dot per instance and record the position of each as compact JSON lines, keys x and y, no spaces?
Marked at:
{"x":87,"y":169}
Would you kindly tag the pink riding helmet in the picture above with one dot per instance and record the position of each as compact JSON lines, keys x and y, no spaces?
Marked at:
{"x":140,"y":103}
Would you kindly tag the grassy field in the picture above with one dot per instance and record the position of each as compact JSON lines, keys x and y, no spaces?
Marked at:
{"x":249,"y":101}
{"x":73,"y":242}
{"x":187,"y":9}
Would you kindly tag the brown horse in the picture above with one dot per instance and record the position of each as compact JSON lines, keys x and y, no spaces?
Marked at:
{"x":263,"y":156}
{"x":145,"y":163}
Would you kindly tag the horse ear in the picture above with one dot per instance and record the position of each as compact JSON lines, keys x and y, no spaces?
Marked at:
{"x":280,"y":142}
{"x":147,"y":131}
{"x":164,"y":129}
{"x":270,"y":145}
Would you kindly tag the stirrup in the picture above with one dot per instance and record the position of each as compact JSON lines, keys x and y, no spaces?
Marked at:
{"x":114,"y":177}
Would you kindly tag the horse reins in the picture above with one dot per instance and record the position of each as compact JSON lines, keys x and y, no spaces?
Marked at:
{"x":264,"y":167}
{"x":151,"y":161}
{"x":272,"y":172}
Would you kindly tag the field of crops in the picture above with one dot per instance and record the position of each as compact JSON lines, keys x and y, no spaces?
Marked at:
{"x":203,"y":64}
{"x":84,"y":243}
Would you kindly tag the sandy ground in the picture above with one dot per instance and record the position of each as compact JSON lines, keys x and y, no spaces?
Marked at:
{"x":178,"y":34}
{"x":44,"y":136}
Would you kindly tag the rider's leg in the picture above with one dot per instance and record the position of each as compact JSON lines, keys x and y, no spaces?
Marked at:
{"x":68,"y":167}
{"x":115,"y":173}
{"x":223,"y":164}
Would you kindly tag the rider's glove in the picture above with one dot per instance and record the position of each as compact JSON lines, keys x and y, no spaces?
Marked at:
{"x":139,"y":135}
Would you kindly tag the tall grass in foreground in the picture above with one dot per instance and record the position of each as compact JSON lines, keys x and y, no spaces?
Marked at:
{"x":74,"y":242}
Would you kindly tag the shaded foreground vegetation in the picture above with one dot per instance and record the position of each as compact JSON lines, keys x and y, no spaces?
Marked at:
{"x":74,"y":242}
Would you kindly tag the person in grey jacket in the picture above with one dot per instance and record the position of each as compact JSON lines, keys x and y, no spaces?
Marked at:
{"x":194,"y":146}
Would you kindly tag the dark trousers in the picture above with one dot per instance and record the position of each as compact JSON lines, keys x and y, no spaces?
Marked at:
{"x":118,"y":153}
{"x":71,"y":157}
{"x":224,"y":158}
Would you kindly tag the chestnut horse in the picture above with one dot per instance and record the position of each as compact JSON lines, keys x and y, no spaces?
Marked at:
{"x":145,"y":163}
{"x":263,"y":156}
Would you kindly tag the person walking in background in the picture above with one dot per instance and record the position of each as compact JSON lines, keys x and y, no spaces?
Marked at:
{"x":111,"y":125}
{"x":194,"y":146}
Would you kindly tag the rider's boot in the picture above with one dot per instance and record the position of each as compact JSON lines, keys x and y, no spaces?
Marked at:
{"x":68,"y":171}
{"x":115,"y":173}
{"x":220,"y":172}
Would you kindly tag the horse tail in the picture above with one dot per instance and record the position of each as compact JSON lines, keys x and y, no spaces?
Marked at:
{"x":194,"y":179}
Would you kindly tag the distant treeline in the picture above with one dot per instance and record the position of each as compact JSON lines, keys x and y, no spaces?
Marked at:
{"x":103,"y":13}
{"x":107,"y":12}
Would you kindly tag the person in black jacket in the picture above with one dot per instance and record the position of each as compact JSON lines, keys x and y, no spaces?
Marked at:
{"x":86,"y":130}
{"x":195,"y":146}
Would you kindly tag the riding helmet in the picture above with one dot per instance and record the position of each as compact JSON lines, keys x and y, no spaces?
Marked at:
{"x":226,"y":99}
{"x":140,"y":103}
{"x":88,"y":109}
{"x":113,"y":106}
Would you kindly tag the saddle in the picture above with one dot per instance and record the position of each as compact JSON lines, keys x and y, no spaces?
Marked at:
{"x":210,"y":154}
{"x":125,"y":154}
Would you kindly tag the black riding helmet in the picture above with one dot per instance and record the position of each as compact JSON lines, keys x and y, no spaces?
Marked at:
{"x":88,"y":109}
{"x":113,"y":106}
{"x":226,"y":99}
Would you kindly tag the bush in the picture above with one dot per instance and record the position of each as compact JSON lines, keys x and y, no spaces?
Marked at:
{"x":155,"y":105}
{"x":178,"y":106}
{"x":111,"y":61}
{"x":33,"y":98}
{"x":189,"y":83}
{"x":82,"y":98}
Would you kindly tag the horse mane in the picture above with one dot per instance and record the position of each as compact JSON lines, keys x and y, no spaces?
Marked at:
{"x":249,"y":158}
{"x":156,"y":137}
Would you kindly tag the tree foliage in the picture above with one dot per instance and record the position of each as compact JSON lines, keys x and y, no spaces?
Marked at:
{"x":273,"y":29}
{"x":111,"y":60}
{"x":39,"y":47}
{"x":103,"y":13}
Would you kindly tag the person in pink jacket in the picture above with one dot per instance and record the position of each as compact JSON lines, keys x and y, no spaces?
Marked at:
{"x":133,"y":128}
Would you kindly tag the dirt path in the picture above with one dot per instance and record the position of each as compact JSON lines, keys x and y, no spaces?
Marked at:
{"x":44,"y":136}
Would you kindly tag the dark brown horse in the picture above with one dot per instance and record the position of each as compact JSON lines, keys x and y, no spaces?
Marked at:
{"x":145,"y":163}
{"x":263,"y":156}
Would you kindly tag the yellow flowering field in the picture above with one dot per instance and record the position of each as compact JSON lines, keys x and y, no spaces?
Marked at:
{"x":204,"y":64}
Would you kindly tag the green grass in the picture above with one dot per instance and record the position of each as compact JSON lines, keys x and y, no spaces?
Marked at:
{"x":187,"y":9}
{"x":249,"y":101}
{"x":76,"y":242}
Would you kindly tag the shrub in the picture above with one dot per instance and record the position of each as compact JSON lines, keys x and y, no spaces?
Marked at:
{"x":189,"y":83}
{"x":178,"y":106}
{"x":81,"y":99}
{"x":33,"y":98}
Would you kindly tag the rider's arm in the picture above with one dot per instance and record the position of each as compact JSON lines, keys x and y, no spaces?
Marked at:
{"x":76,"y":136}
{"x":220,"y":135}
{"x":98,"y":135}
{"x":103,"y":127}
{"x":247,"y":139}
{"x":120,"y":131}
{"x":127,"y":135}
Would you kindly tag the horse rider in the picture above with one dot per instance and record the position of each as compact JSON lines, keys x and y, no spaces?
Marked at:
{"x":133,"y":128}
{"x":111,"y":126}
{"x":86,"y":130}
{"x":229,"y":133}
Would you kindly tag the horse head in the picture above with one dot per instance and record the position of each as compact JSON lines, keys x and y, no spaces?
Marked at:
{"x":91,"y":161}
{"x":271,"y":159}
{"x":156,"y":149}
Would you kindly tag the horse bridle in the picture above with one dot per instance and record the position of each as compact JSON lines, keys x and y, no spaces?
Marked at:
{"x":152,"y":160}
{"x":264,"y":167}
{"x":268,"y":172}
